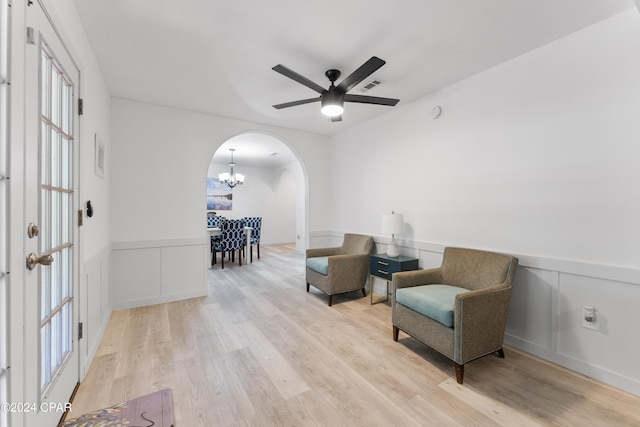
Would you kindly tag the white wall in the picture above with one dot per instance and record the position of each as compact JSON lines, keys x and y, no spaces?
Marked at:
{"x":162,"y":156}
{"x":537,"y":157}
{"x":268,"y":193}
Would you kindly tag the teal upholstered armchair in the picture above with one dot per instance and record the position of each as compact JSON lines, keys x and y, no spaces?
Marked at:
{"x":459,"y":309}
{"x":340,"y":269}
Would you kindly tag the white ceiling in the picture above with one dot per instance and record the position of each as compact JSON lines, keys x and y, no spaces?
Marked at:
{"x":215,"y":56}
{"x":254,"y":150}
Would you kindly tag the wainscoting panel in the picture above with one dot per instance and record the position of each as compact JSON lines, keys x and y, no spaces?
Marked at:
{"x":154,"y":272}
{"x":532,"y":306}
{"x":181,"y":267}
{"x":95,"y":305}
{"x":617,"y":319}
{"x":546,"y":311}
{"x":136,"y":276}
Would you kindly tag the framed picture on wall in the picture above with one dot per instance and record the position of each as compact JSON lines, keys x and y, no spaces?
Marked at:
{"x":219,"y":195}
{"x":99,"y":157}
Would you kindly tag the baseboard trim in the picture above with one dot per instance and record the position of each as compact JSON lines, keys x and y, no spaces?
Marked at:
{"x":592,"y":371}
{"x":142,"y":302}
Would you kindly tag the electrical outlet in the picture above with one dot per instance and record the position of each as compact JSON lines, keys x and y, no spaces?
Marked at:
{"x":589,"y":319}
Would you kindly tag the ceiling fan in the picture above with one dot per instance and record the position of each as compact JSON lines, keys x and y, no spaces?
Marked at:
{"x":332,"y":99}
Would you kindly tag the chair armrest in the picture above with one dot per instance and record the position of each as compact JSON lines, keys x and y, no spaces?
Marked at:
{"x":480,"y":306}
{"x":480,"y":316}
{"x":407,"y":279}
{"x":311,"y":253}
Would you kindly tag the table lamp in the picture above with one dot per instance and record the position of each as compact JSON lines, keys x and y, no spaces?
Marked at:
{"x":392,"y":223}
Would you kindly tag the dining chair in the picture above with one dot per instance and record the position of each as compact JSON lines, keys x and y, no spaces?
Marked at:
{"x":255,"y":222}
{"x":213,"y":222}
{"x":232,"y":238}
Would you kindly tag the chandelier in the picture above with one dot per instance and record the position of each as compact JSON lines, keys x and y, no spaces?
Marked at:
{"x":231,"y":179}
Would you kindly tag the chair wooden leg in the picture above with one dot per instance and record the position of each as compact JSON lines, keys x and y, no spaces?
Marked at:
{"x":240,"y":257}
{"x":396,"y":331}
{"x":222,"y":260}
{"x":501,"y":353}
{"x":307,"y":287}
{"x":364,"y":292}
{"x":251,"y":253}
{"x":459,"y":372}
{"x":258,"y":250}
{"x":330,"y":300}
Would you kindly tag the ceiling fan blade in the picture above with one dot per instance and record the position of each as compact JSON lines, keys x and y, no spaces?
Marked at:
{"x":294,"y":103}
{"x":370,"y":100}
{"x":360,"y":74}
{"x":336,"y":118}
{"x":287,"y":72}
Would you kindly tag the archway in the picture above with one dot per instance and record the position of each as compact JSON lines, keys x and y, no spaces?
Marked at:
{"x":275,"y":188}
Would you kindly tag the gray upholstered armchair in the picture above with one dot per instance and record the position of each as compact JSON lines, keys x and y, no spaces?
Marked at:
{"x":459,"y":309}
{"x":340,"y":269}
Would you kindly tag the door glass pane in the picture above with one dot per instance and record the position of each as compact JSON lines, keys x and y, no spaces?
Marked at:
{"x":45,"y":293}
{"x":65,"y":331}
{"x":45,"y":345}
{"x":45,"y":146}
{"x":44,"y":82}
{"x":45,"y":228}
{"x":55,"y":157}
{"x":64,"y":163}
{"x":56,"y":292}
{"x":65,"y":212}
{"x":56,"y":211}
{"x":66,"y":107}
{"x":55,"y":106}
{"x":55,"y":220}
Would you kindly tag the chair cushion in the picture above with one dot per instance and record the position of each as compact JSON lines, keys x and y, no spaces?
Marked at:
{"x":319,"y":264}
{"x":434,"y":301}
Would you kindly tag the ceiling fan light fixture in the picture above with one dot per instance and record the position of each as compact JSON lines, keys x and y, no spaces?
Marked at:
{"x":332,"y":103}
{"x":332,"y":110}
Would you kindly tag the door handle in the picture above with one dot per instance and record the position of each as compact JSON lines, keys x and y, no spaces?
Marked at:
{"x":33,"y":260}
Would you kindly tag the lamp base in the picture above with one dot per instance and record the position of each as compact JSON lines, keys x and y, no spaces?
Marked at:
{"x":392,"y":249}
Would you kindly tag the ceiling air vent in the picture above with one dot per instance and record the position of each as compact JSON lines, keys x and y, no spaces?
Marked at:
{"x":369,"y":85}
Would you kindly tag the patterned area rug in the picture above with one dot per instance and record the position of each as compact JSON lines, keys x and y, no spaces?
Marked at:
{"x":152,"y":410}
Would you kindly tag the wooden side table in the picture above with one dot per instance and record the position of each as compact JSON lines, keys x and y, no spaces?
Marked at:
{"x":383,"y":267}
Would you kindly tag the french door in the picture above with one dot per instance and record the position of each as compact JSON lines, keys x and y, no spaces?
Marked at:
{"x":51,"y":147}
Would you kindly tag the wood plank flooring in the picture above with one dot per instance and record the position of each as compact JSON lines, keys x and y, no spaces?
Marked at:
{"x":261,"y":351}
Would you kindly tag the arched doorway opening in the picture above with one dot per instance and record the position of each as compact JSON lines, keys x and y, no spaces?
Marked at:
{"x":275,"y":186}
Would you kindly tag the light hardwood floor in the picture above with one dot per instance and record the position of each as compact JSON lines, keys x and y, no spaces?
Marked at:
{"x":261,"y":351}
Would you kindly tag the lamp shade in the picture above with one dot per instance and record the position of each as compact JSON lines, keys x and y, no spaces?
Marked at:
{"x":392,"y":223}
